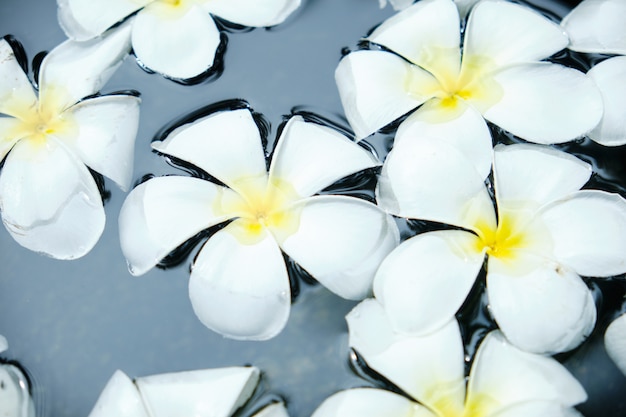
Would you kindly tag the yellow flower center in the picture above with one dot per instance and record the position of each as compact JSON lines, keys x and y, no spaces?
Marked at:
{"x":479,"y":405}
{"x":502,"y":242}
{"x":264,"y":205}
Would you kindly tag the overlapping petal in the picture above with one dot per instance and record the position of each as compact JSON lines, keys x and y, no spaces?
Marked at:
{"x":369,"y":402}
{"x":313,"y":157}
{"x":597,"y":26}
{"x":255,"y":13}
{"x":240,"y":290}
{"x":107,"y":127}
{"x":9,"y":134}
{"x":341,"y":241}
{"x":16,"y":92}
{"x":162,"y":213}
{"x":558,"y":103}
{"x":119,"y":397}
{"x":424,"y":281}
{"x":225,"y":144}
{"x":429,"y":368}
{"x":49,"y":201}
{"x":609,"y":76}
{"x":542,"y":307}
{"x":178,"y":41}
{"x":615,"y":342}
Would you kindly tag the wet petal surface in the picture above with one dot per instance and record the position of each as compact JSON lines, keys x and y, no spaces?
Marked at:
{"x":609,"y":76}
{"x":597,"y":26}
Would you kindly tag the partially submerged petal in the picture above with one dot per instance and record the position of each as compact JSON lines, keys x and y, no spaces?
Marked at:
{"x":428,"y":368}
{"x":17,"y":96}
{"x":85,"y":19}
{"x":119,"y":398}
{"x":609,"y":76}
{"x":509,"y":376}
{"x":597,"y":26}
{"x":225,"y":144}
{"x":49,"y":201}
{"x":506,"y":33}
{"x":15,"y":396}
{"x":74,"y":70}
{"x":162,"y":213}
{"x":341,"y":241}
{"x":180,"y":44}
{"x":588,"y":230}
{"x":217,"y":392}
{"x":369,"y":402}
{"x":311,"y":157}
{"x":615,"y":342}
{"x":105,"y":141}
{"x":256,"y":13}
{"x":238,"y":289}
{"x":541,"y":307}
{"x":558,"y":103}
{"x":529,"y":176}
{"x":377,"y":87}
{"x":4,"y":345}
{"x":426,"y":279}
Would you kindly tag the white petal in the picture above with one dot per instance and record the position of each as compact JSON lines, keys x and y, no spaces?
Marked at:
{"x":178,"y":44}
{"x":49,"y":201}
{"x":609,"y":76}
{"x":9,"y":128}
{"x":508,"y":33}
{"x":17,"y":96}
{"x":465,"y":6}
{"x":162,"y":213}
{"x":256,"y":13}
{"x":226,"y":144}
{"x":238,"y":289}
{"x":341,"y":241}
{"x":597,"y":26}
{"x":311,"y":157}
{"x":615,"y":342}
{"x":511,"y":377}
{"x":531,"y":176}
{"x":589,"y":232}
{"x":86,"y":19}
{"x":427,"y":34}
{"x":373,"y":89}
{"x":542,"y":307}
{"x":74,"y":70}
{"x":369,"y":402}
{"x":272,"y":410}
{"x":428,"y":368}
{"x":558,"y":103}
{"x":119,"y":398}
{"x":539,"y":408}
{"x":106,"y":136}
{"x":475,"y":142}
{"x":4,"y":345}
{"x":416,"y":171}
{"x":215,"y":392}
{"x":15,"y":397}
{"x":426,"y":279}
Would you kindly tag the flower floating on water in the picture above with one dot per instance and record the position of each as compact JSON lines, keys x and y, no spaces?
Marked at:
{"x":544,"y":233}
{"x":176,"y":38}
{"x":49,"y":200}
{"x":420,"y":70}
{"x":15,"y":398}
{"x":598,"y":26}
{"x":503,"y":380}
{"x":239,"y":284}
{"x":201,"y":393}
{"x":615,"y":342}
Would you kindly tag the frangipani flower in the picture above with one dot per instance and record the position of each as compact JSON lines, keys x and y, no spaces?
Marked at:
{"x":615,"y":342}
{"x":15,"y":399}
{"x":200,"y":393}
{"x":463,"y":5}
{"x":598,"y":26}
{"x":503,"y":381}
{"x":239,"y":284}
{"x":497,"y":75}
{"x":50,"y":202}
{"x":544,"y":233}
{"x":176,"y":38}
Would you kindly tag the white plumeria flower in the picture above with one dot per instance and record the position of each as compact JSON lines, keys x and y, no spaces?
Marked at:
{"x":544,"y":233}
{"x":503,"y":381}
{"x":176,"y":38}
{"x":50,"y":202}
{"x":497,"y":75}
{"x":200,"y":393}
{"x":615,"y":342}
{"x":598,"y":26}
{"x":239,"y":284}
{"x":463,"y":5}
{"x":15,"y":399}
